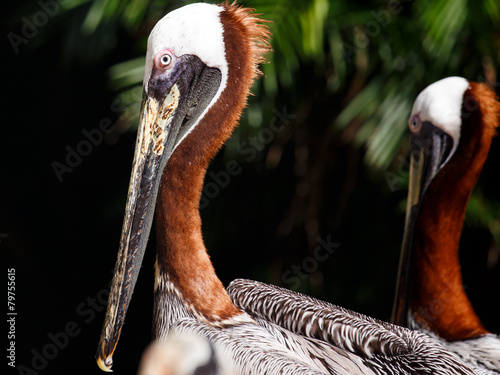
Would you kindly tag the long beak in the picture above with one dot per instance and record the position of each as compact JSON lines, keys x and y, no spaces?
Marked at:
{"x":153,"y":149}
{"x":431,"y":150}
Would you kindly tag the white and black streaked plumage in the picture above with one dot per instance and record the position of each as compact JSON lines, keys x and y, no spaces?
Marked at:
{"x":200,"y":64}
{"x":452,"y":124}
{"x":381,"y":347}
{"x":480,"y":353}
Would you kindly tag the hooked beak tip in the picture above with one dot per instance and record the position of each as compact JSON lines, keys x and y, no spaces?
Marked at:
{"x":106,"y":364}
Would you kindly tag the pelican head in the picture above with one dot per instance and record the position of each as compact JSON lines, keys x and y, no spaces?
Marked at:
{"x":435,"y":124}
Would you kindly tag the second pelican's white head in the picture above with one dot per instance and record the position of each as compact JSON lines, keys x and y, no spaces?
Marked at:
{"x":440,"y":104}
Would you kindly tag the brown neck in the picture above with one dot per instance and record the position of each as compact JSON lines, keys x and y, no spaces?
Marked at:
{"x":182,"y":255}
{"x":438,"y":300}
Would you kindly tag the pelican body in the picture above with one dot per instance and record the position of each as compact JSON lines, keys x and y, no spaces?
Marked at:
{"x":200,"y":63}
{"x":452,"y":124}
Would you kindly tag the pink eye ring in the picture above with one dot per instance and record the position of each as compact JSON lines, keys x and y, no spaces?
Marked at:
{"x":164,"y":59}
{"x":414,"y":123}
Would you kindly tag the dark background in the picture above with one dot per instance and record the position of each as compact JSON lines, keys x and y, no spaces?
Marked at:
{"x":311,"y":180}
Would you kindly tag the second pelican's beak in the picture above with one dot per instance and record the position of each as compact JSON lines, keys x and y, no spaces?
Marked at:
{"x":173,"y":103}
{"x":430,"y":150}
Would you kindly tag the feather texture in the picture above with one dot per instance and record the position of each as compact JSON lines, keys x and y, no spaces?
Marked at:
{"x":382,"y":347}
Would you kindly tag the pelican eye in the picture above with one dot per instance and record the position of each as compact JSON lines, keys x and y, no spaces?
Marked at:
{"x":164,"y":59}
{"x":414,"y":123}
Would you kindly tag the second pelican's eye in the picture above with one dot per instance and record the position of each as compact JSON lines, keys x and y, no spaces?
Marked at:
{"x":164,"y":59}
{"x":414,"y":123}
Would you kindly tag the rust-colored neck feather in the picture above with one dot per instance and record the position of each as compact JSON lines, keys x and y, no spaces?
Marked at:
{"x":181,"y":251}
{"x":438,"y":300}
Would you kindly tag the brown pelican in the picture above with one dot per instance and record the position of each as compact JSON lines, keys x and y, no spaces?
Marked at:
{"x":452,"y":124}
{"x":200,"y":63}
